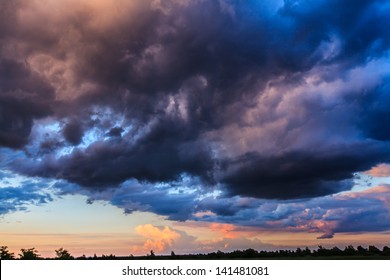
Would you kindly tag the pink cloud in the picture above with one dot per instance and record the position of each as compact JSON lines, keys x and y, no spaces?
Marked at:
{"x":381,"y":170}
{"x":225,"y":230}
{"x":157,"y":239}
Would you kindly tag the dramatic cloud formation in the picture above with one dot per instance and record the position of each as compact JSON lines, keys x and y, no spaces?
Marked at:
{"x":202,"y":109}
{"x":24,"y":96}
{"x":157,"y":239}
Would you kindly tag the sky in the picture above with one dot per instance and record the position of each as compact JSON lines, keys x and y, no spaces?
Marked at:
{"x":194,"y":126}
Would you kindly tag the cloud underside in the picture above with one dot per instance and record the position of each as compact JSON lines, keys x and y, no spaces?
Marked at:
{"x":278,"y":100}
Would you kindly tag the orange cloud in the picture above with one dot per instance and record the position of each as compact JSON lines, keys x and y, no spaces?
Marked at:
{"x":381,"y":170}
{"x":150,"y":231}
{"x":158,"y":239}
{"x":226,"y":230}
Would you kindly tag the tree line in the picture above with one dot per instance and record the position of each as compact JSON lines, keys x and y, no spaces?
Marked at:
{"x":321,"y":252}
{"x":32,"y":254}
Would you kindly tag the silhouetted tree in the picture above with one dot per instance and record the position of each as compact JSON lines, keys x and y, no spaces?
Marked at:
{"x":5,"y":254}
{"x":321,"y":251}
{"x":29,"y":254}
{"x":335,"y":251}
{"x":108,"y":257}
{"x":306,"y":252}
{"x":349,"y":250}
{"x":361,"y":250}
{"x":299,"y":252}
{"x":250,"y":253}
{"x":386,"y":251}
{"x":83,"y":257}
{"x":63,"y":254}
{"x":373,"y":250}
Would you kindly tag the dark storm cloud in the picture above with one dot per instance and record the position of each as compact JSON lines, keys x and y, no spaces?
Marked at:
{"x":361,"y":25}
{"x":376,"y":115}
{"x":24,"y":96}
{"x":49,"y":145}
{"x":269,"y":102}
{"x":368,"y":220}
{"x":138,"y":197}
{"x":303,"y":174}
{"x":73,"y":132}
{"x":162,"y":155}
{"x":116,"y":132}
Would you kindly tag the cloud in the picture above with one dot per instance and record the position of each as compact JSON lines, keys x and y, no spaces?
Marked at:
{"x":354,"y":211}
{"x":109,"y":163}
{"x":165,"y":239}
{"x":244,"y":217}
{"x":300,"y":174}
{"x":116,"y":132}
{"x":242,"y":101}
{"x":157,"y":239}
{"x":227,"y":230}
{"x":17,"y":193}
{"x":73,"y":133}
{"x":381,"y":170}
{"x":176,"y":201}
{"x":24,"y":96}
{"x":326,"y":236}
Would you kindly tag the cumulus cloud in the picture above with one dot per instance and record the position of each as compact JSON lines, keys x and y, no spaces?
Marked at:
{"x":157,"y":239}
{"x":165,"y":239}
